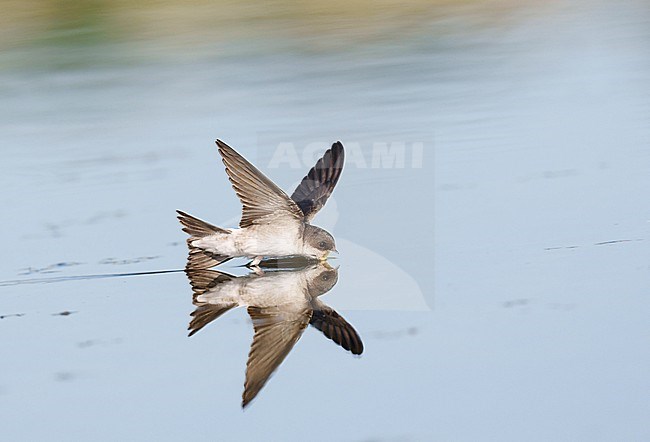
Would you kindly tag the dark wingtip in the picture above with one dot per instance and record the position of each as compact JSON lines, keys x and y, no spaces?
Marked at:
{"x":223,"y":147}
{"x":339,"y":154}
{"x":358,"y":348}
{"x":245,"y":402}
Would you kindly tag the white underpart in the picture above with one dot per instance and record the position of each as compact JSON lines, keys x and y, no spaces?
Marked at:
{"x":282,"y":288}
{"x":278,"y":239}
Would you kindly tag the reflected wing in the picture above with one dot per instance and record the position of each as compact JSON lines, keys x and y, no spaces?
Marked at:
{"x":263,"y":202}
{"x":203,"y":281}
{"x":335,"y":327}
{"x":276,"y":331}
{"x":314,"y":190}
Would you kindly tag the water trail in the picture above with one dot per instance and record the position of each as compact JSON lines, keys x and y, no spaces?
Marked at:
{"x":83,"y":277}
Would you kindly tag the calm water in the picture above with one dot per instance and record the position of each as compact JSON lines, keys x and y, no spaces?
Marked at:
{"x":492,"y":218}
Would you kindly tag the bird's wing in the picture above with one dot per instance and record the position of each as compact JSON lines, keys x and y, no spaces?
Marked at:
{"x":203,"y":281}
{"x":277,"y":329}
{"x":335,"y":327}
{"x":263,"y":202}
{"x":314,"y":190}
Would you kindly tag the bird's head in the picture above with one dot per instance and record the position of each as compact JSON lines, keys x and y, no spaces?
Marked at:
{"x":321,"y":278}
{"x":318,"y":243}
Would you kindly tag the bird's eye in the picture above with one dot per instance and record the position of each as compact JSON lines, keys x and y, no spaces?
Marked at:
{"x":321,"y":245}
{"x":325,"y":278}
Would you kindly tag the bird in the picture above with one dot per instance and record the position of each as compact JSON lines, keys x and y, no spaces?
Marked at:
{"x":272,"y":223}
{"x":280,"y":304}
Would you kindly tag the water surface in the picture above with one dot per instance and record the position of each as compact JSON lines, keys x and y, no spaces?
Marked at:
{"x":499,"y":284}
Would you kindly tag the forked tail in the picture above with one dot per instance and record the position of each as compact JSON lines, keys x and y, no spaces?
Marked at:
{"x":199,"y":258}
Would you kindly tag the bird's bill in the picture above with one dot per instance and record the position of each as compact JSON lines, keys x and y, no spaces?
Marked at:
{"x":328,"y":266}
{"x":326,"y":256}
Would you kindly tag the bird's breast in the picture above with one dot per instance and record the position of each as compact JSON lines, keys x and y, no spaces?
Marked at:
{"x":266,"y":240}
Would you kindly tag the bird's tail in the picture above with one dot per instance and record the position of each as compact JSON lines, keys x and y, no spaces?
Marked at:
{"x":209,"y":300}
{"x":199,"y":258}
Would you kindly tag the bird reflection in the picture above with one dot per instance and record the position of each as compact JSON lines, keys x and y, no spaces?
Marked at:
{"x":280,"y":304}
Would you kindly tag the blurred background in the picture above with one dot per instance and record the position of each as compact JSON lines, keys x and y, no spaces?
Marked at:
{"x":495,"y":262}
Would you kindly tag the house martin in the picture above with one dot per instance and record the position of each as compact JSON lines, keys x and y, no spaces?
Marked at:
{"x":280,"y":304}
{"x":272,"y":223}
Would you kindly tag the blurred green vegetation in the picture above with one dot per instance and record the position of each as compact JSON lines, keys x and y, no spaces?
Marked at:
{"x":65,"y":34}
{"x":88,"y":22}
